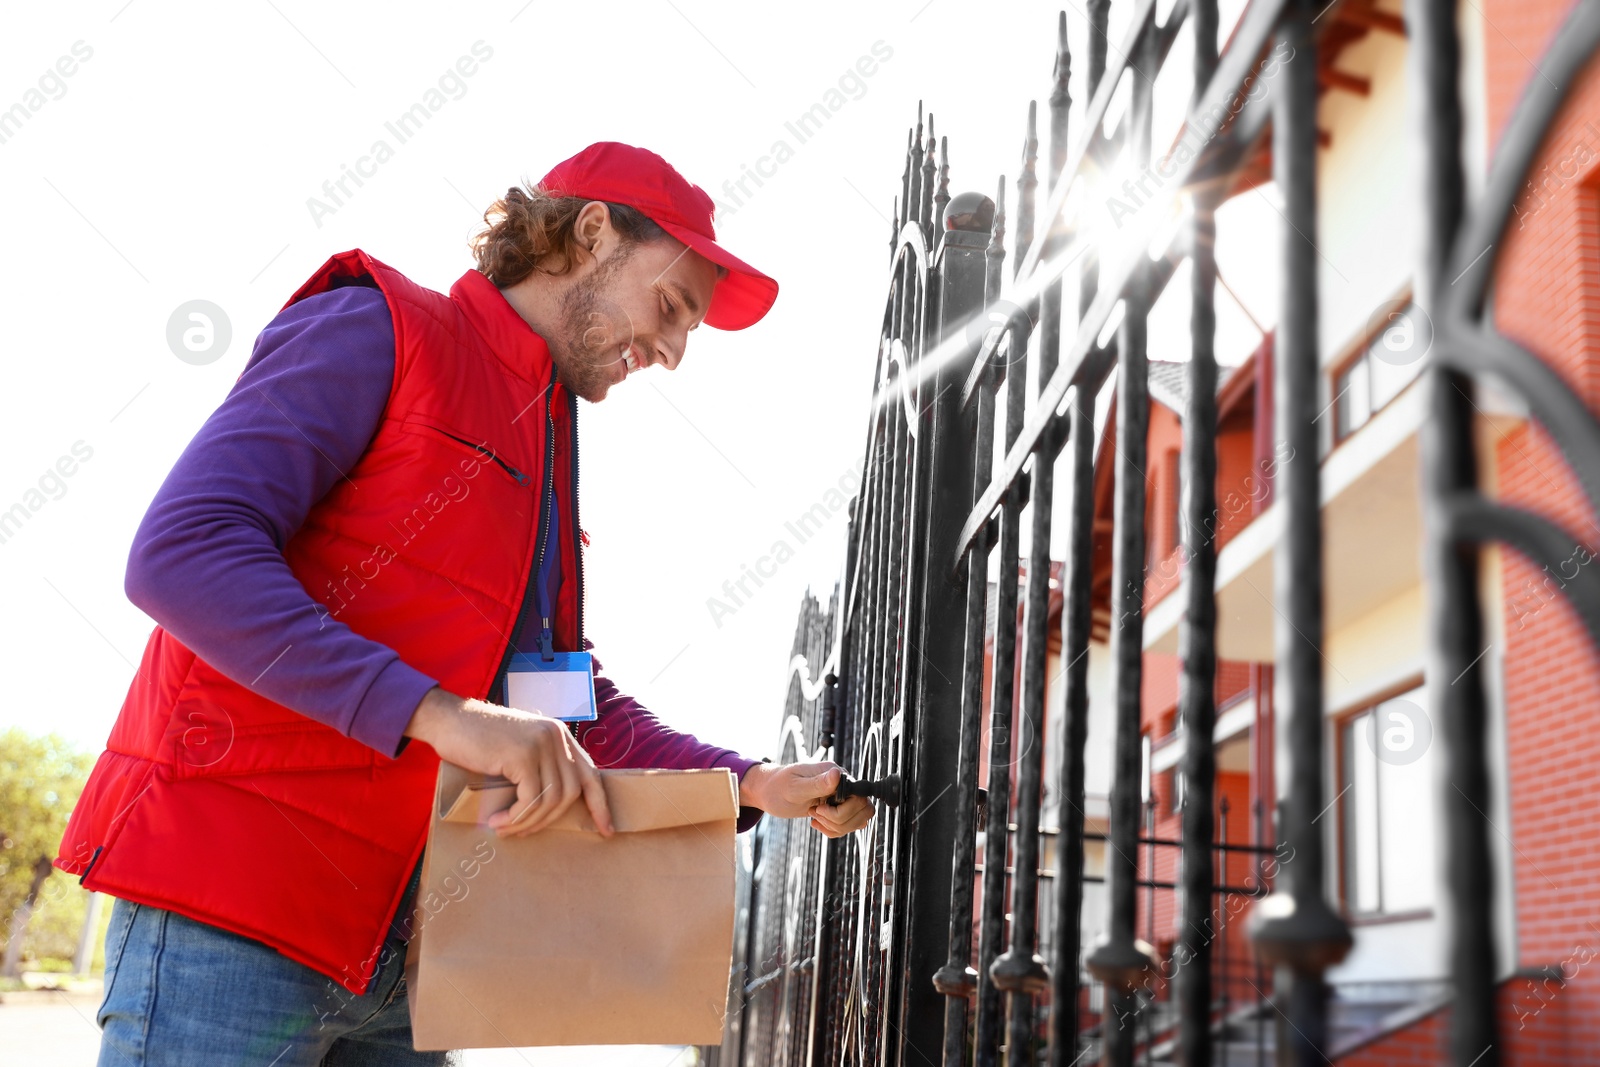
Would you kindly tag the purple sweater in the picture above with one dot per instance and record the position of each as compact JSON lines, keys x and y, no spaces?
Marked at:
{"x":207,"y":563}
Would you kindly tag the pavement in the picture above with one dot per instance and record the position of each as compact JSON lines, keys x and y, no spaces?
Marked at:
{"x":47,"y":1029}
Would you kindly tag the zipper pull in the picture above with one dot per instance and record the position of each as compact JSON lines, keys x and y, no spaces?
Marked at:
{"x":488,"y":454}
{"x":547,"y":650}
{"x":521,"y":479}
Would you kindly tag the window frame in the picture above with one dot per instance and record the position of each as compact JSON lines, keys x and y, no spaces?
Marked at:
{"x":1340,"y":723}
{"x":1360,"y":352}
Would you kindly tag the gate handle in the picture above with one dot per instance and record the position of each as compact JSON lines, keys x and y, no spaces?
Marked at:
{"x":884,"y":789}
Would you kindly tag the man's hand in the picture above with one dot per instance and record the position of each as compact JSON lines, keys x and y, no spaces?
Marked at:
{"x":798,"y":789}
{"x":539,"y":754}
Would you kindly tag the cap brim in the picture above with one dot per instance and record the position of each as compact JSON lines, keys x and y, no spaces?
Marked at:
{"x":741,"y":298}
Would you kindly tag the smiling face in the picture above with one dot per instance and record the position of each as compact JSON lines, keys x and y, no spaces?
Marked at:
{"x":626,"y":306}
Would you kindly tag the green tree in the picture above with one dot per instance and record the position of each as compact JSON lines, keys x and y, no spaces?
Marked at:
{"x":40,"y":780}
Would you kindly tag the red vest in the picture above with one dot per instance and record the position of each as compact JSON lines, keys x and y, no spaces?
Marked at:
{"x":218,"y":804}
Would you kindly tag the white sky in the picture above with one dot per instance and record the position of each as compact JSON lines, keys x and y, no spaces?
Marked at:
{"x":177,"y":164}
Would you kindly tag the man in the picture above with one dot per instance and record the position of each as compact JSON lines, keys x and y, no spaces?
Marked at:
{"x":342,"y":565}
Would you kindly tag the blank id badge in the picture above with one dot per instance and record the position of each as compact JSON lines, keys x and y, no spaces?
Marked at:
{"x":561,"y":687}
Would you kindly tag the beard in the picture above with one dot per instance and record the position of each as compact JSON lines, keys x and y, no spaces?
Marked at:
{"x":592,"y":332}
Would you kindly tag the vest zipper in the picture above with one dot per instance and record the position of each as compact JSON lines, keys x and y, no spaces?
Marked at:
{"x":497,"y":693}
{"x":489,"y":454}
{"x":92,"y":861}
{"x":577,"y":531}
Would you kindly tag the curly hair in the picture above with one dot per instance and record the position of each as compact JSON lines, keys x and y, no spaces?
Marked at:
{"x":529,"y":230}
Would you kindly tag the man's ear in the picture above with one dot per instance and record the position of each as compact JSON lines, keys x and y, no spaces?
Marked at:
{"x":592,"y":229}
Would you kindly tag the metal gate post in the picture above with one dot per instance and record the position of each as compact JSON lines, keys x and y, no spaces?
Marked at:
{"x":1455,"y":616}
{"x":939,"y":821}
{"x":963,"y":263}
{"x":1197,"y":639}
{"x":997,"y":806}
{"x":1076,"y":623}
{"x":1295,"y":929}
{"x":1121,"y":961}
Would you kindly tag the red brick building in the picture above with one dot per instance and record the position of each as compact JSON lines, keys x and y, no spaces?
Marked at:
{"x":1545,"y":675}
{"x":1391,"y":995}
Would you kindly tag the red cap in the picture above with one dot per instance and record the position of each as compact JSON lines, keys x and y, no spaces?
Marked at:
{"x":637,"y":177}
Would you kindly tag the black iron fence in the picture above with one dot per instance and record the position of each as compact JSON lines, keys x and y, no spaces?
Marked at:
{"x":915,"y":941}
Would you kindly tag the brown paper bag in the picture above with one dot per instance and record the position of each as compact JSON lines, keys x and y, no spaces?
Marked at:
{"x":566,"y":938}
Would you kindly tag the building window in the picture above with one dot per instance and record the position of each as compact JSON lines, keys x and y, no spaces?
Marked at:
{"x":1174,"y":503}
{"x":1144,"y":769}
{"x":1352,"y":389}
{"x":1388,"y":361}
{"x":1386,"y":804}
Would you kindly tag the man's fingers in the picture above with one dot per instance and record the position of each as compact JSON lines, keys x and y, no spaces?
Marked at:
{"x":852,"y":808}
{"x":829,"y":828}
{"x":556,"y":792}
{"x":838,"y":820}
{"x":536,"y":815}
{"x":586,"y":780}
{"x":526,"y":819}
{"x":820,"y":776}
{"x":813,"y":781}
{"x":860,"y":819}
{"x":812,"y":770}
{"x":564,"y":790}
{"x":830,"y":781}
{"x":827,"y":822}
{"x":594,"y":795}
{"x":531,"y":790}
{"x":571,"y":788}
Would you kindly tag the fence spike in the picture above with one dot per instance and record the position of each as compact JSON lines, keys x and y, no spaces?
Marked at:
{"x":997,"y":233}
{"x":894,"y":231}
{"x":917,"y":193}
{"x":942,"y":197}
{"x":1060,"y":103}
{"x":905,"y":190}
{"x":1027,"y":185}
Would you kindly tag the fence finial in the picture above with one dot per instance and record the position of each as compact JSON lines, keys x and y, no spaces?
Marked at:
{"x":894,"y":230}
{"x":916,"y":194}
{"x":997,"y":233}
{"x":905,"y":188}
{"x":1027,"y":185}
{"x":970,"y":213}
{"x":1060,"y":102}
{"x":942,"y":197}
{"x":1063,"y":67}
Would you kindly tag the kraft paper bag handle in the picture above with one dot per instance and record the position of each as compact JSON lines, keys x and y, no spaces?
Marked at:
{"x":640,"y":800}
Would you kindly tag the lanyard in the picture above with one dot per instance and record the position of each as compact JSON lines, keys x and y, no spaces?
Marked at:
{"x":542,"y":590}
{"x":559,"y":683}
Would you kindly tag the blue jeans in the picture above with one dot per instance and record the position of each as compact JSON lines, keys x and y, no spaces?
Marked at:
{"x":182,"y":992}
